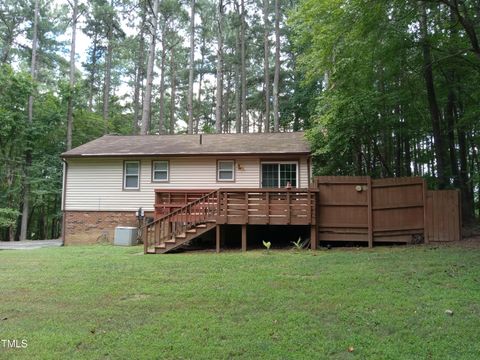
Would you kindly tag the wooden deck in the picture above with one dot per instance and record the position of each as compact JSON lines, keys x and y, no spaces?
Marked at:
{"x":182,"y":215}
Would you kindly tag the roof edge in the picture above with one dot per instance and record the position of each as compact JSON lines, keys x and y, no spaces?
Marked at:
{"x":68,"y":156}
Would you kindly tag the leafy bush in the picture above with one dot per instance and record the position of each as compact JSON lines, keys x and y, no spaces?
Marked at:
{"x":8,"y":217}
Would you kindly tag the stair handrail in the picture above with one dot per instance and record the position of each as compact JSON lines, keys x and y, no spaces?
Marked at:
{"x":144,"y":228}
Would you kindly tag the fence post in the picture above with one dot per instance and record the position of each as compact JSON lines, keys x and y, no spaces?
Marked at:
{"x":425,"y":212}
{"x":370,"y":212}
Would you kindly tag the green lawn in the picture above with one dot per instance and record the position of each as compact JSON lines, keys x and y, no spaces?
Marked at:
{"x":107,"y":302}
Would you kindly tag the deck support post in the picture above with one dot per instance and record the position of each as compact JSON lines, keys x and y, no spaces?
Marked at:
{"x":218,"y":236}
{"x":244,"y":237}
{"x":313,"y":237}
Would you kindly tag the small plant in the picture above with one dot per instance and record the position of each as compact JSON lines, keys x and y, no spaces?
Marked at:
{"x":297,"y":245}
{"x":267,"y":245}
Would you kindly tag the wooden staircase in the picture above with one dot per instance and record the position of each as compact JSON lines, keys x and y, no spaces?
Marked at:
{"x":181,"y":226}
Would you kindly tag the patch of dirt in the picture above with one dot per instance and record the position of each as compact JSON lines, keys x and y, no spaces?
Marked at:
{"x":471,"y":242}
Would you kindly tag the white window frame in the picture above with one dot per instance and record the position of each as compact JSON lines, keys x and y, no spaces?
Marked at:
{"x":125,"y":174}
{"x":281,"y":162}
{"x":233,"y":170}
{"x":153,"y":171}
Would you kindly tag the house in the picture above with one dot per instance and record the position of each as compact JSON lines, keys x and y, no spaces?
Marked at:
{"x":188,"y":184}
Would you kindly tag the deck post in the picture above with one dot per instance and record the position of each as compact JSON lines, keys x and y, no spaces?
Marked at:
{"x":313,"y":237}
{"x":218,"y":234}
{"x":244,"y":237}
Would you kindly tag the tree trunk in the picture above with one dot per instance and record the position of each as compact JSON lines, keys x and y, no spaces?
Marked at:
{"x":93,"y":72}
{"x":161,"y":112}
{"x":108,"y":77}
{"x":147,"y":99}
{"x":226,"y":105}
{"x":432,"y":101}
{"x":191,"y":68}
{"x":72,"y":76}
{"x":173,"y":74}
{"x":28,"y":154}
{"x":408,"y":156}
{"x":200,"y":80}
{"x":266,"y":66}
{"x":139,"y":74}
{"x":276,"y":77}
{"x":219,"y":90}
{"x":238,"y":82}
{"x":243,"y":67}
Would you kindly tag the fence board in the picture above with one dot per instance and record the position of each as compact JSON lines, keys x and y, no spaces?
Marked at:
{"x":443,"y":216}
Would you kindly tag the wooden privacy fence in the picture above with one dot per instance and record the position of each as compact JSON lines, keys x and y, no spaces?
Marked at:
{"x":385,"y":210}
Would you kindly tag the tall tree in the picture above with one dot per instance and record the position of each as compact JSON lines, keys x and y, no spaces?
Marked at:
{"x":28,"y":154}
{"x":276,"y":76}
{"x":74,"y":20}
{"x":238,"y":74}
{"x":219,"y":87}
{"x":432,"y":98}
{"x":147,"y":98}
{"x":243,"y":61}
{"x":191,"y":67}
{"x":173,"y":76}
{"x":266,"y":66}
{"x":139,"y":68}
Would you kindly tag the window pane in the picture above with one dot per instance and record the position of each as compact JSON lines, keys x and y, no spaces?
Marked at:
{"x":131,"y":181}
{"x":225,"y":175}
{"x":269,"y":175}
{"x":288,"y":174}
{"x":225,"y":165}
{"x":161,"y":165}
{"x":160,"y":175}
{"x":131,"y":168}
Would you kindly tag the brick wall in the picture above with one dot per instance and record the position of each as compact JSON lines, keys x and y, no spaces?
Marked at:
{"x":91,"y":227}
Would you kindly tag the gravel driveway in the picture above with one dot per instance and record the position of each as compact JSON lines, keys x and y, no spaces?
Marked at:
{"x":29,"y":244}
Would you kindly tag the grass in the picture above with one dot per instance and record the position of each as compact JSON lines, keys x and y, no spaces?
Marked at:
{"x":103,"y":302}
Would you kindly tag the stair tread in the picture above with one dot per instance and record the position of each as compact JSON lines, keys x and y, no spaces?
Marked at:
{"x":192,"y":231}
{"x":160,"y":246}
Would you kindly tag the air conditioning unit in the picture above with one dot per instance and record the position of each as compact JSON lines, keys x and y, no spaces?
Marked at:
{"x":125,"y":236}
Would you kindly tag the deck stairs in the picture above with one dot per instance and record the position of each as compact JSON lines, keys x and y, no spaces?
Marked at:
{"x":181,"y":226}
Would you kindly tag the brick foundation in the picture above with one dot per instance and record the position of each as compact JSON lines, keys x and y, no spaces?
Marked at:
{"x":91,"y":227}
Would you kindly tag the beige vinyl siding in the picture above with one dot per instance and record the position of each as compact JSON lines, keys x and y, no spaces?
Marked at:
{"x":303,"y":172}
{"x":97,"y":184}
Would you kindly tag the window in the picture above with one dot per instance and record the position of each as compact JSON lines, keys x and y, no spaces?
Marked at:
{"x":278,"y":175}
{"x":131,"y":175}
{"x":226,"y":170}
{"x":160,"y":171}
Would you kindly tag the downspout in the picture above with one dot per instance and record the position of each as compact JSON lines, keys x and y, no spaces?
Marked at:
{"x":64,"y":198}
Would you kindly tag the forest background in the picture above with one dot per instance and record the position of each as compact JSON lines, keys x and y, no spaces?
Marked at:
{"x":382,"y":88}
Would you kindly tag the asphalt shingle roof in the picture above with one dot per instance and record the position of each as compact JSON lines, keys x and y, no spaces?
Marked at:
{"x":205,"y":144}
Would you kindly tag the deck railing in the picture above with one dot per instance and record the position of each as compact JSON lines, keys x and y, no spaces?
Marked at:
{"x":267,"y":206}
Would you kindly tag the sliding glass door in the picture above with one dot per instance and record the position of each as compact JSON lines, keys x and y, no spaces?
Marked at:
{"x":278,"y":175}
